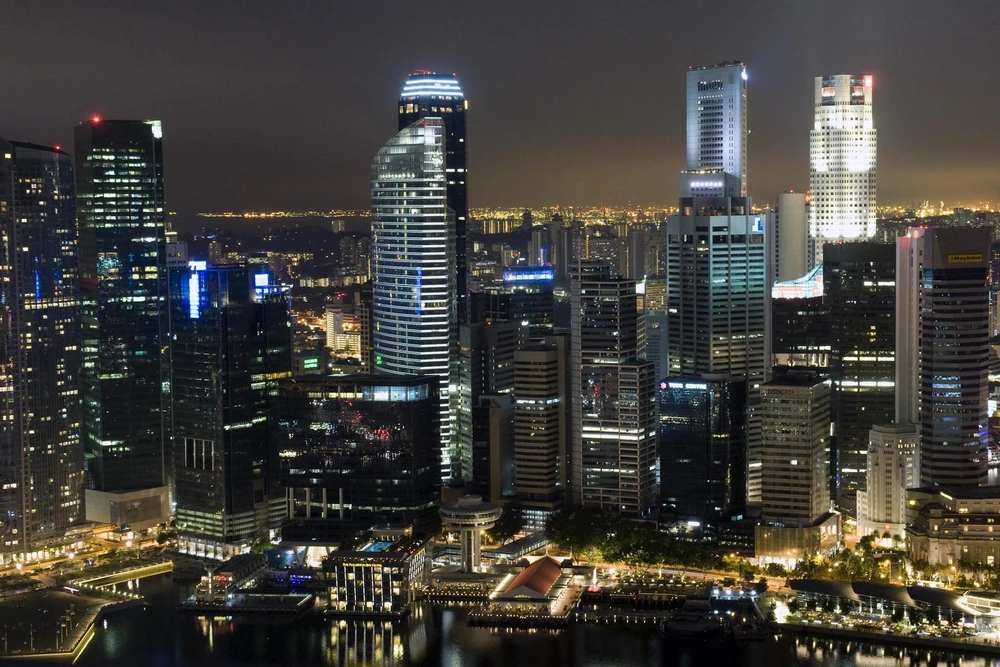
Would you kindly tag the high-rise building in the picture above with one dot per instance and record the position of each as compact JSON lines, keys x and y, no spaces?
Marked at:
{"x":942,"y":350}
{"x":231,"y":341}
{"x":356,"y":451}
{"x":842,"y":147}
{"x":892,"y":468}
{"x":540,"y":430}
{"x":703,"y":440}
{"x":800,"y":322}
{"x":415,"y":331}
{"x":789,"y":240}
{"x":614,"y":413}
{"x":717,"y":130}
{"x":41,"y":457}
{"x":859,"y":282}
{"x":429,"y":94}
{"x":795,"y":425}
{"x":486,"y":366}
{"x":718,"y":301}
{"x":492,"y":447}
{"x":123,"y":288}
{"x":526,"y":296}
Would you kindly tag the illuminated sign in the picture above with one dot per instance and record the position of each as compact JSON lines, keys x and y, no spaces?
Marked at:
{"x":964,"y":259}
{"x":529,"y":274}
{"x":311,"y":363}
{"x":261,"y":280}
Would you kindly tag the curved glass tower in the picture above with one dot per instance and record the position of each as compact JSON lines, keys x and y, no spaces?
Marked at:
{"x":431,"y":95}
{"x":413,"y":264}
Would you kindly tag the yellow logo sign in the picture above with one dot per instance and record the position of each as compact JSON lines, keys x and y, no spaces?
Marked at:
{"x":964,"y":259}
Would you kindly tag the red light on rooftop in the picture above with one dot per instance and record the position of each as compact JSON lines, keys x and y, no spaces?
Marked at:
{"x":58,"y":148}
{"x":868,"y":80}
{"x":95,"y":119}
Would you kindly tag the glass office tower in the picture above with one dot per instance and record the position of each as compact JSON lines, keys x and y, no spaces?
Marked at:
{"x":413,"y":268}
{"x":121,"y":218}
{"x":429,"y":94}
{"x":41,"y":460}
{"x":355,"y":451}
{"x":230,"y":345}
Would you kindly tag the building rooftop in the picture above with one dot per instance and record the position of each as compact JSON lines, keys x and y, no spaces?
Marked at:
{"x":536,"y":579}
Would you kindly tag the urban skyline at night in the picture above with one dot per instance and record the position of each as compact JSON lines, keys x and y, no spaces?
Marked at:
{"x":701,"y":367}
{"x":597,"y":125}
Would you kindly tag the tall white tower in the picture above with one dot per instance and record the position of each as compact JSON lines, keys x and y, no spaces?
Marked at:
{"x":717,"y":127}
{"x":842,"y":147}
{"x":413,"y":265}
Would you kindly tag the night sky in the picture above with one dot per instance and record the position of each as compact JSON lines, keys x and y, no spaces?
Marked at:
{"x":281,"y":105}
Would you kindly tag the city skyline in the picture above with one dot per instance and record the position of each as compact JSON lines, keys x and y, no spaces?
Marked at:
{"x":296,"y":95}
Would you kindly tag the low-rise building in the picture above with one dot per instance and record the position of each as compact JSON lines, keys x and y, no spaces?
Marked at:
{"x":958,"y":525}
{"x":378,"y":576}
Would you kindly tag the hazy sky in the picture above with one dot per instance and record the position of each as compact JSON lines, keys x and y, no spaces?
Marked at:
{"x":271,"y":105}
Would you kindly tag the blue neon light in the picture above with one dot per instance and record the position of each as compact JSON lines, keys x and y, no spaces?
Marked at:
{"x":529,"y":274}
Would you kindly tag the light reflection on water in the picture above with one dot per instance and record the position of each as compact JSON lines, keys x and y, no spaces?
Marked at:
{"x":161,"y":636}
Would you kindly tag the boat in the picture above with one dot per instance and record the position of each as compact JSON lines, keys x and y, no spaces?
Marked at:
{"x":692,"y":621}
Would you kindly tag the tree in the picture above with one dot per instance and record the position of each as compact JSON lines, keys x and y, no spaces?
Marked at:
{"x":510,"y":523}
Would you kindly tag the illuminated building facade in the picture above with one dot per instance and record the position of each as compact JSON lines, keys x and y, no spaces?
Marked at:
{"x":123,"y":289}
{"x":703,"y":440}
{"x":230,"y":345}
{"x":41,"y":457}
{"x":526,"y":296}
{"x":378,"y":576}
{"x":429,"y":94}
{"x":942,"y":351}
{"x":795,"y":425}
{"x":892,"y":468}
{"x":788,"y":241}
{"x":613,"y":455}
{"x":717,"y":130}
{"x":540,"y":430}
{"x":718,"y":300}
{"x":842,"y":146}
{"x":415,"y":330}
{"x":354,"y":451}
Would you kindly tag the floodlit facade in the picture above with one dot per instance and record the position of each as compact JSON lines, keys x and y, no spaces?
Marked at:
{"x":414,"y":322}
{"x":717,"y":129}
{"x":892,"y":468}
{"x":942,"y":351}
{"x":41,"y":458}
{"x":429,"y":94}
{"x":123,"y":288}
{"x":789,"y":255}
{"x":842,"y":151}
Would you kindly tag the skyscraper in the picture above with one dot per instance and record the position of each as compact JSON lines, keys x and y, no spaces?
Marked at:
{"x":860,"y":292}
{"x":614,"y":413}
{"x":795,"y":422}
{"x":123,"y":289}
{"x":41,"y":459}
{"x":716,"y":294}
{"x":540,"y":430}
{"x":413,"y":267}
{"x":842,"y":147}
{"x":717,"y":286}
{"x":429,"y":94}
{"x":788,"y":257}
{"x":230,"y":344}
{"x":703,"y":431}
{"x":717,"y":127}
{"x":942,"y":351}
